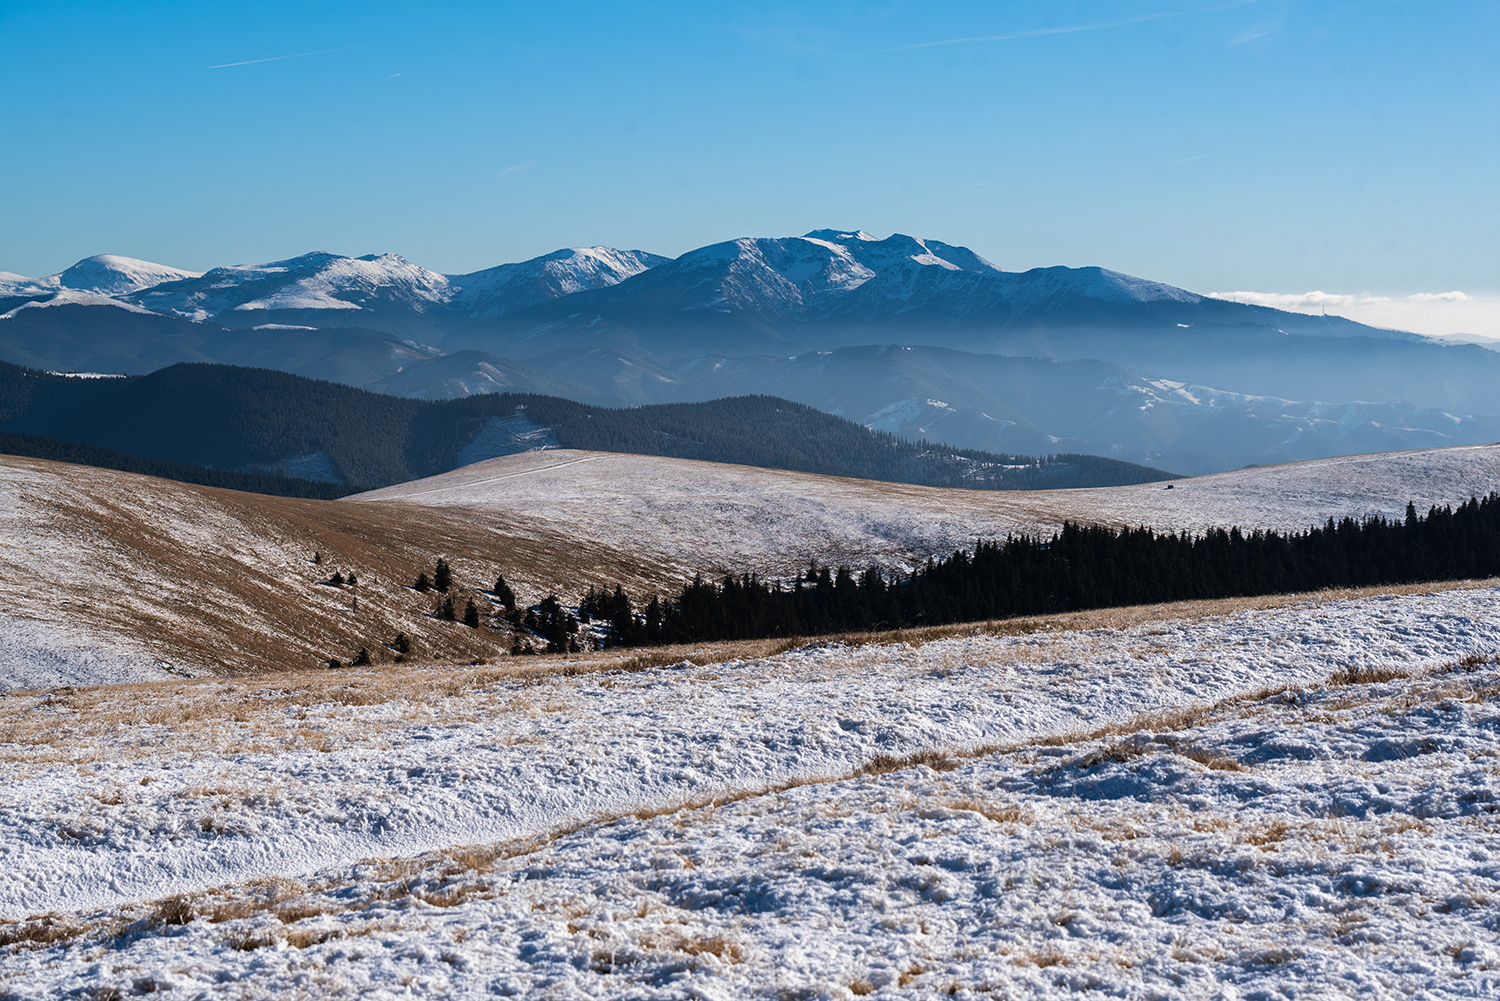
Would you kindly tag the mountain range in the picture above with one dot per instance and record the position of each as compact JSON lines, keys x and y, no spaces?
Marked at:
{"x":919,"y":338}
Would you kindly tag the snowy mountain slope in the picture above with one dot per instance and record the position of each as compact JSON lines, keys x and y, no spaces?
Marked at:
{"x":105,"y":274}
{"x":471,"y":373}
{"x":318,"y":289}
{"x":496,"y":291}
{"x":110,"y":274}
{"x":13,"y":284}
{"x":694,"y":517}
{"x":751,"y":291}
{"x":385,"y":292}
{"x":72,"y":297}
{"x":1272,"y":801}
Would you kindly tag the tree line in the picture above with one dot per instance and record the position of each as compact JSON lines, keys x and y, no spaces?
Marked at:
{"x":1077,"y":568}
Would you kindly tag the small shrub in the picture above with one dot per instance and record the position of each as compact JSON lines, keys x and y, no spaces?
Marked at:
{"x":363,"y":660}
{"x":337,"y":580}
{"x":334,"y":663}
{"x":175,"y":911}
{"x":402,"y":644}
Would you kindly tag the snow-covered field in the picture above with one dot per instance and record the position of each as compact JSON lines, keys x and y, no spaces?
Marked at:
{"x":698,"y":516}
{"x":1275,"y":802}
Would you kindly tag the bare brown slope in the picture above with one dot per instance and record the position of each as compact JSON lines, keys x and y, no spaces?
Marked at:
{"x":220,"y":581}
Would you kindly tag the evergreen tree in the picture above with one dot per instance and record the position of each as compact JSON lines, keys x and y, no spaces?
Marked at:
{"x":446,"y":613}
{"x":423,"y":585}
{"x":504,"y":594}
{"x":442,"y":577}
{"x":363,"y":660}
{"x":471,"y":615}
{"x":337,"y":580}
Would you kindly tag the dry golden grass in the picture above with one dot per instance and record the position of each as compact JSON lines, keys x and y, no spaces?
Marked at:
{"x":223,"y":582}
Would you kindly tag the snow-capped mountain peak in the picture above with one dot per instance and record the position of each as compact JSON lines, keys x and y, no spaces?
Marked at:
{"x":499,"y":290}
{"x":313,"y":281}
{"x":111,"y":274}
{"x":103,"y":274}
{"x":878,"y":254}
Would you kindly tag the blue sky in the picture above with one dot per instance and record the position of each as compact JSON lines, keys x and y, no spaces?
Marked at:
{"x":1277,"y":146}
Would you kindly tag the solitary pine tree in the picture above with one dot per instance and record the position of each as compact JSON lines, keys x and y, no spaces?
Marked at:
{"x":442,"y":577}
{"x":504,"y":594}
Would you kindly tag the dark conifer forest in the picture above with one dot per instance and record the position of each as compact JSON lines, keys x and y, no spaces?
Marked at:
{"x":1077,"y":568}
{"x":103,"y":458}
{"x":224,"y":417}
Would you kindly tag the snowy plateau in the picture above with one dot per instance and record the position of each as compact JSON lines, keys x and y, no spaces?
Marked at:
{"x":1280,"y":797}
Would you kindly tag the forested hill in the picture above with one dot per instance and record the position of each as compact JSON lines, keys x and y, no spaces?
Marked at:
{"x":259,"y":421}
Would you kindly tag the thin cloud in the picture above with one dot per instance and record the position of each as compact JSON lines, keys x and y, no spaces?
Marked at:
{"x":517,"y":168}
{"x":1190,"y":159}
{"x":1439,"y":297}
{"x":1014,"y":35}
{"x":295,"y":55}
{"x":1067,"y":29}
{"x":1250,"y":36}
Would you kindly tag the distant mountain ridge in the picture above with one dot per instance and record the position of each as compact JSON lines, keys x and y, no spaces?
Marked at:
{"x":1005,"y":356}
{"x":266,"y":423}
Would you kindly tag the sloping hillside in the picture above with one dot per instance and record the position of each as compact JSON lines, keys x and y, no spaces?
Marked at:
{"x":107,"y":575}
{"x":711,"y":518}
{"x":110,"y":575}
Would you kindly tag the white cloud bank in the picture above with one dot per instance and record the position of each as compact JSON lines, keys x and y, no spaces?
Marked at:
{"x":1451,"y":315}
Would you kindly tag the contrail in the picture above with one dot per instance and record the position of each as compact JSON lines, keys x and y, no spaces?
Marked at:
{"x":1037,"y":32}
{"x":1033,"y":33}
{"x":295,"y":55}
